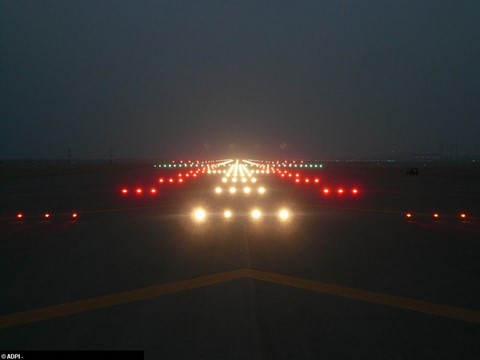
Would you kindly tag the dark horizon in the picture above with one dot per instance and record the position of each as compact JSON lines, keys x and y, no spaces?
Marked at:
{"x":257,"y":79}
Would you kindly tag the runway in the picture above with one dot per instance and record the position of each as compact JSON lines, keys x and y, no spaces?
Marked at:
{"x":346,"y":277}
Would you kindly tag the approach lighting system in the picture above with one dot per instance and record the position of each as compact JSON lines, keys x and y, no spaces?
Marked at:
{"x":218,"y":190}
{"x":232,"y":190}
{"x":261,"y":190}
{"x":227,"y":214}
{"x":246,"y":190}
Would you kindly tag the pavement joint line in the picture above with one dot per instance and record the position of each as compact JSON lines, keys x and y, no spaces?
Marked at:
{"x":71,"y":308}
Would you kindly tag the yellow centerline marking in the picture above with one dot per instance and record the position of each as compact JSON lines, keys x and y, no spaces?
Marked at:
{"x":26,"y":317}
{"x":370,"y":296}
{"x":81,"y":306}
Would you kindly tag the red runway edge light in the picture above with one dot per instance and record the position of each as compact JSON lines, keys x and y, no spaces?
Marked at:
{"x":74,"y":216}
{"x":19,"y":216}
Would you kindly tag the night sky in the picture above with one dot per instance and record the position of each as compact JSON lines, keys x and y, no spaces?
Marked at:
{"x":215,"y":79}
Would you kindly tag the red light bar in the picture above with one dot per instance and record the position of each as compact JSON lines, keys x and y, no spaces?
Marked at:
{"x":462,"y":216}
{"x":326,"y":191}
{"x":408,"y":215}
{"x":340,"y":191}
{"x":317,"y":180}
{"x":46,"y":216}
{"x":161,"y":180}
{"x":19,"y":216}
{"x":124,"y":191}
{"x":436,"y":215}
{"x":153,"y":191}
{"x":74,"y":215}
{"x":354,"y":191}
{"x":139,"y":191}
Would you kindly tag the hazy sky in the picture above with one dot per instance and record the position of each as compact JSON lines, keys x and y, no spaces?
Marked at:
{"x":216,"y":78}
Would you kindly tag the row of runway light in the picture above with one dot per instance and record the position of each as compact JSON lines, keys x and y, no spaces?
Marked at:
{"x":247,"y":190}
{"x":48,"y":216}
{"x":200,"y":215}
{"x":436,"y":216}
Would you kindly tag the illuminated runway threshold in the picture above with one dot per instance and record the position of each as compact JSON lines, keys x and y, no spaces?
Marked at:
{"x":81,"y":306}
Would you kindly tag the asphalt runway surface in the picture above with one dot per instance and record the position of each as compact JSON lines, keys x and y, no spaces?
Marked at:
{"x":347,"y":277}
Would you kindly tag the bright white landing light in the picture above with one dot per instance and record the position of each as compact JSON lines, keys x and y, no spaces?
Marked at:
{"x":232,"y":190}
{"x":284,"y":214}
{"x":218,"y":190}
{"x":256,"y":214}
{"x":227,"y":214}
{"x":261,"y":190}
{"x":247,"y":190}
{"x":199,"y":215}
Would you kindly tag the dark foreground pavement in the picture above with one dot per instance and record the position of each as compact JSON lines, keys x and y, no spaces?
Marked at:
{"x":121,"y":245}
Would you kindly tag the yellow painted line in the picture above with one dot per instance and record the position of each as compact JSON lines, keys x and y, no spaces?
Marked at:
{"x":369,"y":296}
{"x":81,"y":306}
{"x":26,"y":317}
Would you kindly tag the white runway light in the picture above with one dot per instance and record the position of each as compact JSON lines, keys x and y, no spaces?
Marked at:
{"x":256,"y":214}
{"x":247,"y":190}
{"x":218,"y":190}
{"x":284,"y":215}
{"x":227,"y":214}
{"x":261,"y":190}
{"x":232,"y":190}
{"x":199,"y":215}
